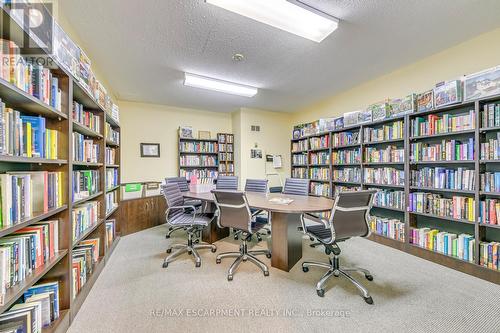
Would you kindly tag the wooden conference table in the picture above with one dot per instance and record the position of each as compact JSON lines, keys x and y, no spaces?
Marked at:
{"x":286,"y":242}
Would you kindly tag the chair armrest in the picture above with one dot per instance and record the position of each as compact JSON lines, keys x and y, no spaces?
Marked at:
{"x":181,"y":207}
{"x":313,"y":218}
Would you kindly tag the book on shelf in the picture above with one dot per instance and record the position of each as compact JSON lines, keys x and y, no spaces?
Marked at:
{"x":389,"y":154}
{"x":299,"y":159}
{"x":389,"y":198}
{"x":346,"y":188}
{"x":447,"y":150}
{"x":392,"y":131}
{"x":85,"y":183}
{"x":349,"y":175}
{"x":84,"y":217}
{"x":346,"y":156}
{"x":24,"y":194}
{"x":111,"y":178}
{"x":459,"y":246}
{"x":197,"y":160}
{"x":321,"y":142}
{"x":345,"y":138}
{"x":490,"y":149}
{"x":489,"y":255}
{"x":112,"y":135}
{"x":490,"y":117}
{"x":111,"y":200}
{"x":110,"y":232}
{"x":25,"y":250}
{"x":30,"y":77}
{"x":489,"y":211}
{"x":322,"y":189}
{"x":299,"y":146}
{"x":444,"y":178}
{"x":384,"y":176}
{"x":85,"y":150}
{"x":319,"y":173}
{"x":26,"y":136}
{"x":86,"y":118}
{"x":489,"y":181}
{"x":226,"y":168}
{"x":226,"y":157}
{"x":110,"y":156}
{"x":314,"y":158}
{"x":83,"y":258}
{"x":445,"y":123}
{"x":456,"y":207}
{"x":299,"y":173}
{"x":388,"y":227}
{"x":198,"y":147}
{"x":199,"y":173}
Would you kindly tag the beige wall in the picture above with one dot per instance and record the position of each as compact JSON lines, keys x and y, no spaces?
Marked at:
{"x":468,"y":57}
{"x":159,"y":124}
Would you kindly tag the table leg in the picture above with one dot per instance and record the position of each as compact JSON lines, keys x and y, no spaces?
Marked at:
{"x":213,"y":233}
{"x":286,"y":240}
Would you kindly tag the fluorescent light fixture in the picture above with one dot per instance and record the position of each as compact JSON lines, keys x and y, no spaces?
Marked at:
{"x":209,"y":83}
{"x":284,"y":15}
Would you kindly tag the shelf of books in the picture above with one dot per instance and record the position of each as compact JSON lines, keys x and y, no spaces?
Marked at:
{"x":54,"y":157}
{"x":436,"y":169}
{"x":226,"y":154}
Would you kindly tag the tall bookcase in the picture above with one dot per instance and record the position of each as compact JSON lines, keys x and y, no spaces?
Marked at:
{"x":198,"y":157}
{"x":59,"y":267}
{"x":226,"y":154}
{"x":403,"y":164}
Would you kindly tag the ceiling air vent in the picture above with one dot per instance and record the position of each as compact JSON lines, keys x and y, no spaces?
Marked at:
{"x":255,"y":128}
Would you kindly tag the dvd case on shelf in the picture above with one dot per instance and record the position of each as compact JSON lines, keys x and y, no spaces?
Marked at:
{"x":379,"y":111}
{"x":482,"y":84}
{"x":339,"y":122}
{"x":351,"y":118}
{"x":447,"y":93}
{"x":425,"y":101}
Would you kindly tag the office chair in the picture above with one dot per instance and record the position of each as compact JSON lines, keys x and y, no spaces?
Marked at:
{"x":296,"y":186}
{"x":184,"y":187}
{"x":233,"y":211}
{"x":349,"y":218}
{"x":177,"y":214}
{"x":227,"y":183}
{"x":257,"y":186}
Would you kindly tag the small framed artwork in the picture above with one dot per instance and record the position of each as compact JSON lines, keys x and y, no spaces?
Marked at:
{"x":204,"y":135}
{"x":186,"y":132}
{"x":150,"y":150}
{"x":255,"y":153}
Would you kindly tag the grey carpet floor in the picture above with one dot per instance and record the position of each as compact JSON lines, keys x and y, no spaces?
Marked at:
{"x":135,"y":294}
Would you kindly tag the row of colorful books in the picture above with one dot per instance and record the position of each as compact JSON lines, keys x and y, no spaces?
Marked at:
{"x":489,"y":211}
{"x":198,"y":147}
{"x":110,"y":156}
{"x":490,"y":150}
{"x":392,"y":131}
{"x":490,"y":117}
{"x":112,"y":175}
{"x":36,"y":309}
{"x":384,"y":176}
{"x":112,"y":135}
{"x":447,"y":150}
{"x":84,"y":217}
{"x":456,"y":207}
{"x":200,"y":173}
{"x":197,"y":160}
{"x":225,"y":147}
{"x":346,"y":156}
{"x":226,"y":156}
{"x":489,"y":255}
{"x":86,"y":118}
{"x":319,"y":143}
{"x":225,"y":168}
{"x":320,"y":189}
{"x":85,"y":150}
{"x":25,"y":250}
{"x":299,"y":173}
{"x":83,"y":258}
{"x":443,"y":123}
{"x":388,"y":227}
{"x":225,"y":138}
{"x":299,"y":146}
{"x":389,"y":199}
{"x":319,"y":158}
{"x":389,"y":154}
{"x":489,"y":181}
{"x":110,"y":232}
{"x":299,"y":159}
{"x":26,"y":136}
{"x":443,"y":178}
{"x":31,"y":77}
{"x":345,"y":138}
{"x":24,"y":194}
{"x":459,"y":246}
{"x":85,"y":183}
{"x":319,"y":173}
{"x":350,"y":175}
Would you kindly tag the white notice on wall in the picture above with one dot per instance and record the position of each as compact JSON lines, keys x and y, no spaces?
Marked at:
{"x":277,"y":161}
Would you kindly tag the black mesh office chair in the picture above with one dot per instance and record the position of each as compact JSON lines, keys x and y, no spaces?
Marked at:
{"x":257,"y":186}
{"x":349,"y":218}
{"x":233,"y":211}
{"x":183,"y":187}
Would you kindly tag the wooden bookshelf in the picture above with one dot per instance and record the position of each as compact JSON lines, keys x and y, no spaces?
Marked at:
{"x":59,"y":268}
{"x":210,"y":171}
{"x":225,"y":146}
{"x":480,"y":231}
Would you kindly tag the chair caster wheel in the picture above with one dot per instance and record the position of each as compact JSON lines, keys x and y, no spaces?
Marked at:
{"x":167,"y":236}
{"x":190,"y":252}
{"x":266,"y":273}
{"x":305,"y":269}
{"x":198,"y":264}
{"x":311,"y":239}
{"x":214,"y":250}
{"x":268,"y":255}
{"x":312,"y":245}
{"x":320,"y":292}
{"x":259,"y":239}
{"x":165,"y":265}
{"x":170,"y":229}
{"x":197,"y":241}
{"x":169,"y":250}
{"x":230,"y":278}
{"x":269,"y":232}
{"x":369,"y":277}
{"x":327,"y":252}
{"x":217,"y":261}
{"x":368,"y":300}
{"x":236,"y":237}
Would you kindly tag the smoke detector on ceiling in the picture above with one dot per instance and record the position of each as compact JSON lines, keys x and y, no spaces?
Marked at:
{"x":238,"y":57}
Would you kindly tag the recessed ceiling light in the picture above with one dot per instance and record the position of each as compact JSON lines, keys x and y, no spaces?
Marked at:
{"x":203,"y":82}
{"x":284,"y":15}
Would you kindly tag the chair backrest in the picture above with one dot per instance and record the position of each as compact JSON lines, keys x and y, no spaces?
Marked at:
{"x":350,"y":214}
{"x":173,"y":196}
{"x":181,"y":181}
{"x":227,"y":183}
{"x":256,"y":185}
{"x":296,"y":186}
{"x":233,"y":210}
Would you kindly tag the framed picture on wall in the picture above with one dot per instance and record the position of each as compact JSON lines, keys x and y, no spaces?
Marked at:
{"x":150,"y":150}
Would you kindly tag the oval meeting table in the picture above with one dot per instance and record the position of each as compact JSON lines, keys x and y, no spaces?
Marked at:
{"x":286,"y":240}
